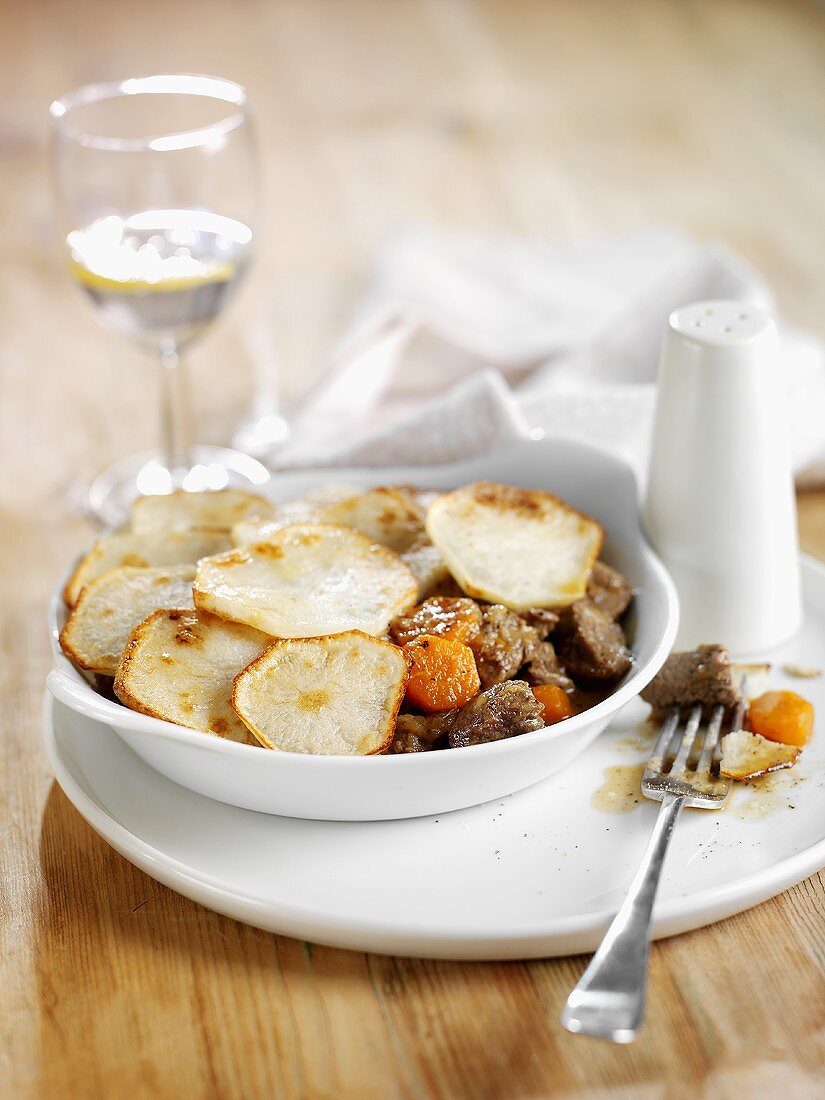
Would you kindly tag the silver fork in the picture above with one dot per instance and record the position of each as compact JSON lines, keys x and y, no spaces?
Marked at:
{"x":609,"y":1000}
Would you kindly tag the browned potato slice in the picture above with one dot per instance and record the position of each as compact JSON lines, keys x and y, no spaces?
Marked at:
{"x":144,"y":552}
{"x":307,"y":580}
{"x":520,"y":547}
{"x":180,"y":511}
{"x":108,"y":610}
{"x":394,"y":516}
{"x":180,"y":665}
{"x":428,"y":567}
{"x":332,"y":696}
{"x":386,"y":515}
{"x":747,"y":755}
{"x":259,"y":530}
{"x":424,"y":497}
{"x":391,"y":516}
{"x":305,"y":509}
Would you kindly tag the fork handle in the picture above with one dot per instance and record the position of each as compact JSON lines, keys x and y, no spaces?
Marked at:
{"x":609,"y":1001}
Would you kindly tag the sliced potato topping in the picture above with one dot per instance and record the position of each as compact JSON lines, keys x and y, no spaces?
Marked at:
{"x":257,"y":530}
{"x":180,"y":666}
{"x":520,"y":547}
{"x":254,"y":530}
{"x":266,"y":624}
{"x":423,"y":497}
{"x":334,"y":695}
{"x":180,"y":511}
{"x":429,"y":569}
{"x":307,"y":580}
{"x":330,"y":492}
{"x":108,"y":610}
{"x":386,"y":515}
{"x":305,"y":509}
{"x":392,"y":516}
{"x":747,"y":755}
{"x":143,"y":551}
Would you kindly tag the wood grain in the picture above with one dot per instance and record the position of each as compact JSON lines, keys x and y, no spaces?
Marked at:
{"x":526,"y":116}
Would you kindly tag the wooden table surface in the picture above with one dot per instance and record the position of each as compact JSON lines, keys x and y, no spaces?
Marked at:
{"x":553,"y":119}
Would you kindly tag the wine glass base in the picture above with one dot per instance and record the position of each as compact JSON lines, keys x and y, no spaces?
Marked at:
{"x":110,"y":495}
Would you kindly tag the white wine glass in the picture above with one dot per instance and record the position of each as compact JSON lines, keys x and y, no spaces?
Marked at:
{"x":157,"y":193}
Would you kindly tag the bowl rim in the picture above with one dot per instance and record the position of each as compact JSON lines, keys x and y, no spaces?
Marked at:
{"x":67,"y":683}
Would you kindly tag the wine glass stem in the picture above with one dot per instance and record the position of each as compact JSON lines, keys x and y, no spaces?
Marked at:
{"x":175,"y":435}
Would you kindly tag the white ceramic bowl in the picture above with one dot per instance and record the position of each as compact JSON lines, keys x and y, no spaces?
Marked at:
{"x":374,"y":788}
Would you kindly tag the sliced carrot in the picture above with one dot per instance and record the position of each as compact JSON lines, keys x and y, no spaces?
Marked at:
{"x":782,"y":716}
{"x":555,"y":703}
{"x":443,"y":673}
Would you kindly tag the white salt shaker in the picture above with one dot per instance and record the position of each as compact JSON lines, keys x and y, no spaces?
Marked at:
{"x":720,"y":506}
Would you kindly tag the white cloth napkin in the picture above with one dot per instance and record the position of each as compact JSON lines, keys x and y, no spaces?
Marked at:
{"x":464,"y":342}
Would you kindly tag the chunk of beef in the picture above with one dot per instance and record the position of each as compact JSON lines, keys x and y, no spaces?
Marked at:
{"x":609,"y":590}
{"x":405,"y":740}
{"x":458,"y":618}
{"x":503,"y":710}
{"x":416,"y":733}
{"x":543,"y":668}
{"x":505,"y":642}
{"x":702,"y":675}
{"x":591,"y":646}
{"x":542,"y":619}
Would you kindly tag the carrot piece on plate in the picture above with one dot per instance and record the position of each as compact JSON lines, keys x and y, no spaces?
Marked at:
{"x":443,"y":673}
{"x":782,"y":716}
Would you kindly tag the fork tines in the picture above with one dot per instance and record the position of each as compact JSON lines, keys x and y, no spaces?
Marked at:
{"x":685,"y":760}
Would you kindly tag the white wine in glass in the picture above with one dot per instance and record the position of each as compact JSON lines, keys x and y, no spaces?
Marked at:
{"x":157,"y":192}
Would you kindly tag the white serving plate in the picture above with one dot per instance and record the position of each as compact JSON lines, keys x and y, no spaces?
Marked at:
{"x":388,"y":787}
{"x":535,"y":874}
